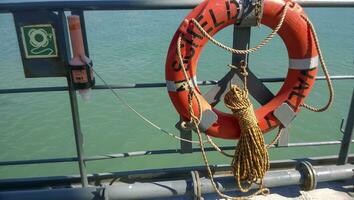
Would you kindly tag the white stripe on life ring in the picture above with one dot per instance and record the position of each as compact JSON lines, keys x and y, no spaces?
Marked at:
{"x":304,"y":63}
{"x":174,"y":86}
{"x":209,"y":117}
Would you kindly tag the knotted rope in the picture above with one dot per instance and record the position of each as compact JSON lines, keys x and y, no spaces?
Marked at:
{"x":251,"y":159}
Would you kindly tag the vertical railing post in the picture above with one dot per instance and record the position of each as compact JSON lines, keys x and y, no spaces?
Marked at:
{"x":241,"y":40}
{"x":77,"y":132}
{"x":74,"y":109}
{"x":347,"y":137}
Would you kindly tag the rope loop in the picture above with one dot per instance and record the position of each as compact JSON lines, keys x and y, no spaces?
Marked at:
{"x":245,"y":51}
{"x":324,"y":69}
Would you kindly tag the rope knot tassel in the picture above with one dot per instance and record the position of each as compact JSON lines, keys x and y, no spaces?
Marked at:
{"x":251,"y":159}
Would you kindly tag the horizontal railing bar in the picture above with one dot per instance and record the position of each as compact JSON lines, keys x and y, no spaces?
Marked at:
{"x":151,"y":174}
{"x":306,"y":144}
{"x":34,"y":89}
{"x":183,"y":187}
{"x":9,"y":6}
{"x":150,"y":85}
{"x":12,"y":6}
{"x":151,"y":152}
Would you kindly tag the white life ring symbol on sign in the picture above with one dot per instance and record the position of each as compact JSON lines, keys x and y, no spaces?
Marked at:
{"x":37,"y":43}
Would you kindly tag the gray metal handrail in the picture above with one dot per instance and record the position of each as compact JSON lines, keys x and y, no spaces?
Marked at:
{"x":151,"y":85}
{"x":16,"y":5}
{"x":150,"y":153}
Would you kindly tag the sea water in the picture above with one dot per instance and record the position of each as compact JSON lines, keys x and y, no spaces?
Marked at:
{"x":131,"y":47}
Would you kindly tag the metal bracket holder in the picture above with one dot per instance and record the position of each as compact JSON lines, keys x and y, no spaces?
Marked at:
{"x":186,"y":147}
{"x":285,"y":114}
{"x":249,"y":16}
{"x":255,"y":86}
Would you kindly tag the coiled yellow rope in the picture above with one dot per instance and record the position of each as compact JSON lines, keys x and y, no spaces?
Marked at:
{"x":251,"y":159}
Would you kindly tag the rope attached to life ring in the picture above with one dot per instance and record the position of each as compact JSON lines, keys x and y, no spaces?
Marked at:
{"x":244,"y":153}
{"x":251,"y":159}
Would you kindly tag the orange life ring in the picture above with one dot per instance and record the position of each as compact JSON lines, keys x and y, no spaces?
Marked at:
{"x":214,"y":15}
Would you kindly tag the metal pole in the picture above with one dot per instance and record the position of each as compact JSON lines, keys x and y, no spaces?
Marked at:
{"x":77,"y":132}
{"x":347,"y":137}
{"x":75,"y":112}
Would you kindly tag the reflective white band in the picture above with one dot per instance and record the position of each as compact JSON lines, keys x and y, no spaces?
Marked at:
{"x":302,"y":64}
{"x":209,"y":117}
{"x":177,"y":86}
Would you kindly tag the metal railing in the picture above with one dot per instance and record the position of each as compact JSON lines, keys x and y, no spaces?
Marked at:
{"x":15,"y":5}
{"x":78,"y":7}
{"x":151,"y":85}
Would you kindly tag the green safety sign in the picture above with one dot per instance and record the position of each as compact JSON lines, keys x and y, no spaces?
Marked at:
{"x":39,"y":41}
